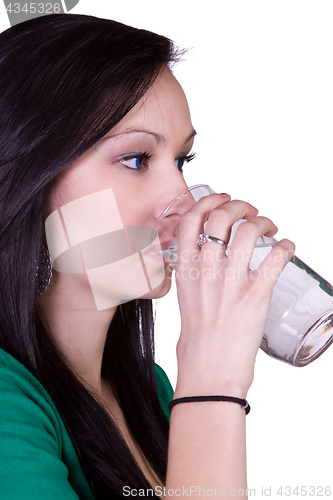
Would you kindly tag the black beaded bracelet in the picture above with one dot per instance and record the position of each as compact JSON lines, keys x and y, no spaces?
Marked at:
{"x":192,"y":399}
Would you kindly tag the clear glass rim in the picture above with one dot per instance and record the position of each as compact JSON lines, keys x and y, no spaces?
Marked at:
{"x":206,"y":186}
{"x":318,"y":324}
{"x":178,"y":198}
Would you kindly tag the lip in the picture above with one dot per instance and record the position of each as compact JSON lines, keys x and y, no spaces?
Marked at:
{"x":170,"y":243}
{"x":156,"y":252}
{"x":167,"y":244}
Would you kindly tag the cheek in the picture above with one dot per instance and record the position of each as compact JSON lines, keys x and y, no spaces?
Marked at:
{"x":136,"y":206}
{"x":138,"y":276}
{"x":88,"y":235}
{"x":87,"y":175}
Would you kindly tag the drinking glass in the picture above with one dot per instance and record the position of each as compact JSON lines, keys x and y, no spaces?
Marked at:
{"x":299,"y":327}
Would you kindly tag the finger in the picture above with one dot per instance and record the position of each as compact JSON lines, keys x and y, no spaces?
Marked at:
{"x":221,"y":220}
{"x":246,"y":237}
{"x":192,"y":222}
{"x":272,"y":266}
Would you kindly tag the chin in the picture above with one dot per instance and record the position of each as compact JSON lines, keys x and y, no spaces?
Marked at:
{"x":161,"y":289}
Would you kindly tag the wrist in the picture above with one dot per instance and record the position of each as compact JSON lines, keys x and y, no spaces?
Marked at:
{"x":202,"y":374}
{"x":210,"y":388}
{"x":203,"y":399}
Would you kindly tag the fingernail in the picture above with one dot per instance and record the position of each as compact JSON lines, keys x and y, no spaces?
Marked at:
{"x":224,"y":194}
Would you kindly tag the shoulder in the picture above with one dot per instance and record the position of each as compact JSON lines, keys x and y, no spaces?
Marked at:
{"x":38,"y":460}
{"x":23,"y":397}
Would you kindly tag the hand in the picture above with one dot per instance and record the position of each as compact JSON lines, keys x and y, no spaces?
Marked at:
{"x":223,"y":304}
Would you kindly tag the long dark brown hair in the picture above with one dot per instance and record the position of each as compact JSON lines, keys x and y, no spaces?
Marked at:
{"x":65,"y":81}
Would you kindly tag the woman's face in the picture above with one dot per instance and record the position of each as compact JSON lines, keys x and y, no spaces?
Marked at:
{"x":125,"y":180}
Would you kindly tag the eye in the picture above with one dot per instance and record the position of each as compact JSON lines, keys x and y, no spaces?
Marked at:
{"x":136,"y":161}
{"x":181,"y":160}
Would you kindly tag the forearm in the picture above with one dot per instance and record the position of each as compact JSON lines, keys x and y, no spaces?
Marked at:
{"x":222,"y":325}
{"x":207,"y":449}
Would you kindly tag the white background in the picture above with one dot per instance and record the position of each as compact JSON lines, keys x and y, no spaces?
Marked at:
{"x":259,"y":82}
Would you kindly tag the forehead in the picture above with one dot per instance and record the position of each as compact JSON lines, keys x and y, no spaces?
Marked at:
{"x":164,"y":107}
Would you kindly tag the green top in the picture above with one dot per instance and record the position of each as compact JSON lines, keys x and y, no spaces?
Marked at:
{"x":37,"y":457}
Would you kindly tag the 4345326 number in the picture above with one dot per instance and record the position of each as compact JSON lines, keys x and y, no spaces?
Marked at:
{"x":34,"y":8}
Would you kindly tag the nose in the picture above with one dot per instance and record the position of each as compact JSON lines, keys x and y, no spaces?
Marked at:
{"x":173,"y":186}
{"x":167,"y":224}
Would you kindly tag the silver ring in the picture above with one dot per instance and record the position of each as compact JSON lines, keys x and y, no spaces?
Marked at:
{"x":205,"y":238}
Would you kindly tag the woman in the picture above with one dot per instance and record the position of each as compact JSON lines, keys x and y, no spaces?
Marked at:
{"x":90,"y":106}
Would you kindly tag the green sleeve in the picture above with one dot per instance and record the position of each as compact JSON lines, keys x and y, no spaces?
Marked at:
{"x":164,"y":388}
{"x":34,"y":445}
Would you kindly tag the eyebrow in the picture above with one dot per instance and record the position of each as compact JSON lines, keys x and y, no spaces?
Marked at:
{"x":159,"y":138}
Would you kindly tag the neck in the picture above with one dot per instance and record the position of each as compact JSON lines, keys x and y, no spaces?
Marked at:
{"x":77,"y":327}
